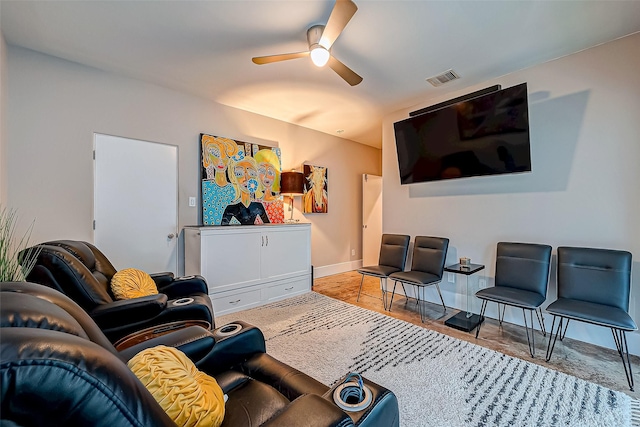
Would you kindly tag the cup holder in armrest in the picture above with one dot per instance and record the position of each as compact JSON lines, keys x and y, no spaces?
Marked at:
{"x":348,"y":397}
{"x":182,"y":301}
{"x":228,"y":330}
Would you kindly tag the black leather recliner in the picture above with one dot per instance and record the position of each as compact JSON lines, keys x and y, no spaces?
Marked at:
{"x":83,"y":273}
{"x":57,"y":368}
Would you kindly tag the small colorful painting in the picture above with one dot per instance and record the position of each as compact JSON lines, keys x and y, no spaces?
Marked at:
{"x":315,"y":189}
{"x":240,"y":182}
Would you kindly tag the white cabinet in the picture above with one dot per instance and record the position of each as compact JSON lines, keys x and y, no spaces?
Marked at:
{"x":246,"y":266}
{"x":286,"y":252}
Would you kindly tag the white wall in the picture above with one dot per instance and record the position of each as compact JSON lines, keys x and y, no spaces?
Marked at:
{"x":54,"y":107}
{"x":584,"y":189}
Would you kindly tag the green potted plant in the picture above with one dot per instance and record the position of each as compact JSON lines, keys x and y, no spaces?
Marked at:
{"x":14,"y":267}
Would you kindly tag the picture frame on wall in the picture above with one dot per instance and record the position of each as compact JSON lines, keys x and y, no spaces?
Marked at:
{"x":316,"y":197}
{"x":240,"y":182}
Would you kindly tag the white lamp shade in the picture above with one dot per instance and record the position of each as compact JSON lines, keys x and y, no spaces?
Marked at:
{"x":319,"y":55}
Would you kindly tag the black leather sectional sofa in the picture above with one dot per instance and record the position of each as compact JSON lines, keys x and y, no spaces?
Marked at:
{"x":58,"y":368}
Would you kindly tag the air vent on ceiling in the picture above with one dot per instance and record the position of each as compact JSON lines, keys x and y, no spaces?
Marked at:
{"x":443,"y":78}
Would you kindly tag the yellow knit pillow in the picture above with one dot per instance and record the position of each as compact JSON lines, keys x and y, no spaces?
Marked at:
{"x":190,"y":397}
{"x":132,"y":283}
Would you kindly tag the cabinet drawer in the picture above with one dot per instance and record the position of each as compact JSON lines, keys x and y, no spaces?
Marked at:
{"x":228,"y":303}
{"x":288,"y":288}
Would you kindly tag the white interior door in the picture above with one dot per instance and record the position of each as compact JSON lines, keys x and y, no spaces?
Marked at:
{"x":371,"y":218}
{"x":136,"y":203}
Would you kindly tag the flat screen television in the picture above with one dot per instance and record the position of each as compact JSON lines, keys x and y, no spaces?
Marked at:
{"x":487,"y":135}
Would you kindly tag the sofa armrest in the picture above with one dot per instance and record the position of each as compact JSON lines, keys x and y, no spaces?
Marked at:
{"x":124,"y":312}
{"x":183,"y":286}
{"x":382,"y":412}
{"x":231,"y":350}
{"x":194,"y":341}
{"x":310,"y":410}
{"x":289,"y":381}
{"x":162,"y":279}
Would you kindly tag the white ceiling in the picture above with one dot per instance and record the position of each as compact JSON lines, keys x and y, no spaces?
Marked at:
{"x":205,"y":48}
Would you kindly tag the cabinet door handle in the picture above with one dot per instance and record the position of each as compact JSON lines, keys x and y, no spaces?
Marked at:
{"x":262,"y":240}
{"x":234,"y":302}
{"x":288,"y":289}
{"x":267,"y":237}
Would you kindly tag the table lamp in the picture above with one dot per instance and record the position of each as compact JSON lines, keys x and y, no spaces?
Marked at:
{"x":291,"y":185}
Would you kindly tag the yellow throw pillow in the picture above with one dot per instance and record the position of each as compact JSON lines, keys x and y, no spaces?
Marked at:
{"x":190,"y":397}
{"x":132,"y":283}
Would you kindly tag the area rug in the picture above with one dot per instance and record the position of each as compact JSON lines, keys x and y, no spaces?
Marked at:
{"x":439,"y":380}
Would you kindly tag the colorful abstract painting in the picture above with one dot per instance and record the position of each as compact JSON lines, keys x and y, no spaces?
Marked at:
{"x":240,"y":182}
{"x":315,"y":196}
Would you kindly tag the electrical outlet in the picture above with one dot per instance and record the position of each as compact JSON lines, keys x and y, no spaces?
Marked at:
{"x":452,"y":278}
{"x":482,"y":283}
{"x":192,"y":202}
{"x":353,"y":252}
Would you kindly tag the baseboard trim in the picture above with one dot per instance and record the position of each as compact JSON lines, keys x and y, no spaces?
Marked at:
{"x":343,"y":267}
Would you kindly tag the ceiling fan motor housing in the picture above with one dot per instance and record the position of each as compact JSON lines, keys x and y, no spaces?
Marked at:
{"x":314,"y":34}
{"x":319,"y":53}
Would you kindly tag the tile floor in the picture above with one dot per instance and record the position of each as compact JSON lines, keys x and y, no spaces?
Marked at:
{"x":592,"y":363}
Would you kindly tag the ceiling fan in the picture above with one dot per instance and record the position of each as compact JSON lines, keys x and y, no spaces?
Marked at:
{"x":321,"y":38}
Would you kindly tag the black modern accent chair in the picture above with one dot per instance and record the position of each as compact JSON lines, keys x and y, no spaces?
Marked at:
{"x":522,"y":278}
{"x":427,"y":267}
{"x":594,"y":287}
{"x":393,"y":256}
{"x":83,"y":273}
{"x":58,"y":369}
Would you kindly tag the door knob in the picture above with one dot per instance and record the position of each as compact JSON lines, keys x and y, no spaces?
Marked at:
{"x":171,"y":236}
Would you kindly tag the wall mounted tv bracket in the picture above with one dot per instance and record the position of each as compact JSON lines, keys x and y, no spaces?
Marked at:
{"x":466,"y":97}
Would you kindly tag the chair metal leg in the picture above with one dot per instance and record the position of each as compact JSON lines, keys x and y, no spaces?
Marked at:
{"x":501,"y":318}
{"x":616,"y":339}
{"x":441,"y":299}
{"x":395,"y":283}
{"x":361,"y":282}
{"x":482,"y":310}
{"x":531,"y":342}
{"x":406,"y":297}
{"x":552,"y":339}
{"x":565,"y":330}
{"x":383,"y":291}
{"x":421,"y":308}
{"x":620,"y":338}
{"x":418,"y":304}
{"x":540,"y":321}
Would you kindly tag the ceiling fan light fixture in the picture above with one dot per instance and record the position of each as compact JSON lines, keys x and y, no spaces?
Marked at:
{"x":321,"y":39}
{"x":319,"y":55}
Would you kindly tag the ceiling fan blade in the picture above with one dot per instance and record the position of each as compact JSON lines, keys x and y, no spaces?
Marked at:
{"x":277,"y":58}
{"x":343,"y":71}
{"x":340,"y":16}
